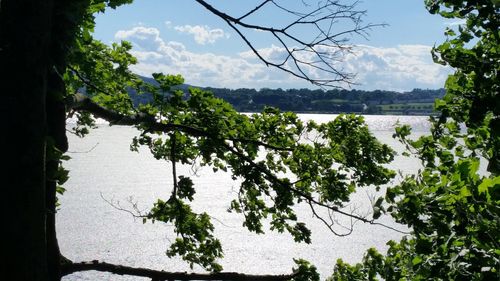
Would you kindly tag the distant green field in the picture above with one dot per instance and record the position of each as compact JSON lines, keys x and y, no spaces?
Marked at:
{"x":332,"y":101}
{"x":407,"y":106}
{"x":393,"y":112}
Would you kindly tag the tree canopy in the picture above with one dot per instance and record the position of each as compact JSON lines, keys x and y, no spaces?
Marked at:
{"x":452,"y":206}
{"x":280,"y":160}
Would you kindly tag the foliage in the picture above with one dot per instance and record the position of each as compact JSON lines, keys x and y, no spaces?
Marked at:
{"x":456,"y":224}
{"x":305,"y":271}
{"x":279,"y":160}
{"x":195,"y":243}
{"x":56,"y":173}
{"x":472,"y":92}
{"x":452,"y":207}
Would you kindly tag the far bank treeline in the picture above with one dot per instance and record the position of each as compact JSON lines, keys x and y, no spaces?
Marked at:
{"x":415,"y":102}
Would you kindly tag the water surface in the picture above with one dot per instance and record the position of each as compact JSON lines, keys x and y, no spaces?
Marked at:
{"x":104,"y":169}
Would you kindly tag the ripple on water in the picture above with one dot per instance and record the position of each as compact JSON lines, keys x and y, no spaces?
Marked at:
{"x":102,"y":167}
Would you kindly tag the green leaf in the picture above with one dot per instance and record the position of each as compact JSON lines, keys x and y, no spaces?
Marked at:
{"x":416,"y":260}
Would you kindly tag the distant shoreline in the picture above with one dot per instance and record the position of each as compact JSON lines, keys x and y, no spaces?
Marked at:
{"x":357,"y":113}
{"x":417,"y":102}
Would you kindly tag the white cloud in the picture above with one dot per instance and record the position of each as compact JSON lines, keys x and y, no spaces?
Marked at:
{"x":204,"y":69}
{"x":456,"y":22}
{"x":402,"y":68}
{"x":203,"y":34}
{"x":142,"y":38}
{"x":398,"y":68}
{"x":274,"y":53}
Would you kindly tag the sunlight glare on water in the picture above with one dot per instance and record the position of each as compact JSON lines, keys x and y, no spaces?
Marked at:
{"x":102,"y":168}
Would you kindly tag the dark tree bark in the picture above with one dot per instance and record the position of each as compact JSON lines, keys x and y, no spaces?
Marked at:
{"x":25,"y":40}
{"x":56,"y":131}
{"x":56,"y":126}
{"x":35,"y":36}
{"x":34,"y":39}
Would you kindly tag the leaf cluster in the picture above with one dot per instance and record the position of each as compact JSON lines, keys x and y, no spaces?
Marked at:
{"x":56,"y":171}
{"x":195,"y":242}
{"x":452,"y":207}
{"x":279,"y":160}
{"x":472,"y":91}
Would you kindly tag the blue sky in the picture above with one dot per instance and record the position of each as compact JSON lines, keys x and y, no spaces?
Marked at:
{"x":183,"y":37}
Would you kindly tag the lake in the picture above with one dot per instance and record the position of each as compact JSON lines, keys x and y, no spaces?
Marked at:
{"x":103,"y":169}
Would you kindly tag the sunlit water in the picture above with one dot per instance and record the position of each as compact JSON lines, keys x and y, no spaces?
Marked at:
{"x":103,"y":170}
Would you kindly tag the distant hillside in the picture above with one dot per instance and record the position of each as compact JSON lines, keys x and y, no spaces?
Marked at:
{"x":415,"y":102}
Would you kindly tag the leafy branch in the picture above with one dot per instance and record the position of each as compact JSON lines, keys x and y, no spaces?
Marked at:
{"x":244,"y":150}
{"x":277,"y":167}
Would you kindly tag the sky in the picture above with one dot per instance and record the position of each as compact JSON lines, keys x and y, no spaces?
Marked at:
{"x":182,"y":37}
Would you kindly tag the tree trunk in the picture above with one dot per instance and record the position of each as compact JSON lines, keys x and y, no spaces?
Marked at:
{"x":25,"y":39}
{"x":56,"y":130}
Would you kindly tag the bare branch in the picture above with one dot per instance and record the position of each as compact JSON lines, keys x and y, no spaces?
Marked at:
{"x":255,"y":9}
{"x":306,"y":57}
{"x":86,"y":151}
{"x":135,"y":212}
{"x":328,"y":225}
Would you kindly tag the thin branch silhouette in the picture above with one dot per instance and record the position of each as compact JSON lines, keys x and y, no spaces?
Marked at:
{"x":305,"y":57}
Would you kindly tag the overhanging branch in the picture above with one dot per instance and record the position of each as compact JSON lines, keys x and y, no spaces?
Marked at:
{"x":158,"y":275}
{"x":80,"y":102}
{"x":273,"y":178}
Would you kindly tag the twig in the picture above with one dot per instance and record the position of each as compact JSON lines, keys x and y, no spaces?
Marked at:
{"x":322,"y":47}
{"x":86,"y":151}
{"x":136,"y":213}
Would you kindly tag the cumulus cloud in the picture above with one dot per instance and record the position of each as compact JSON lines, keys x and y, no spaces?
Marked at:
{"x":204,"y":69}
{"x":273,"y":53}
{"x":399,"y":68}
{"x":202,"y":34}
{"x":456,"y":22}
{"x":142,"y":38}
